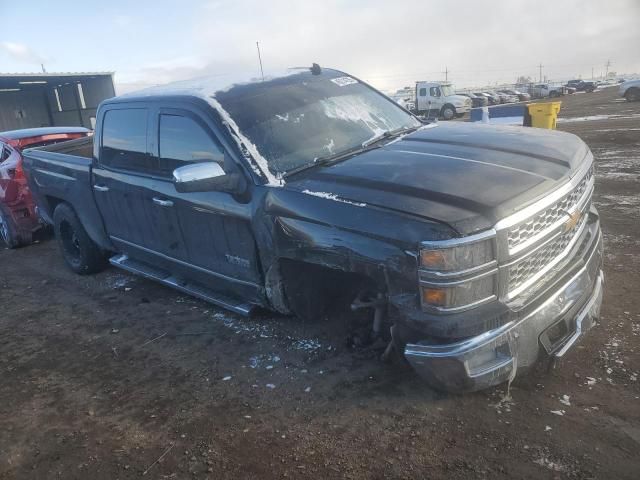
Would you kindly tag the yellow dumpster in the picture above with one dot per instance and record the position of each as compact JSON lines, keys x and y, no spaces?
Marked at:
{"x":544,"y":115}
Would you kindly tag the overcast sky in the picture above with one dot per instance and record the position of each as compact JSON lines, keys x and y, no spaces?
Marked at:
{"x":387,"y":43}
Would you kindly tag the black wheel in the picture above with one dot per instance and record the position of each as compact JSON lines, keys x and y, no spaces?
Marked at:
{"x":448,"y":112}
{"x":8,"y":231}
{"x":80,"y":252}
{"x":632,"y":95}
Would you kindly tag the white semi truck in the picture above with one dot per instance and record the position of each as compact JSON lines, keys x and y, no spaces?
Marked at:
{"x":439,"y":99}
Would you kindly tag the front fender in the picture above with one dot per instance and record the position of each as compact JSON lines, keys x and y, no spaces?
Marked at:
{"x":355,"y":238}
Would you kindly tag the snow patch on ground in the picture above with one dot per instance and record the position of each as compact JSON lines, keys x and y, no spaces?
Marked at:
{"x":118,"y":280}
{"x":257,"y":330}
{"x":548,"y":464}
{"x":591,"y":118}
{"x":628,"y":205}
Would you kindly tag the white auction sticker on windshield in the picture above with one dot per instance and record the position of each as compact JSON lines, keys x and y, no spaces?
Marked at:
{"x":343,"y":81}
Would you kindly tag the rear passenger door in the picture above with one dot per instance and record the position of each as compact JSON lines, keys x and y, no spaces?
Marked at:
{"x":139,"y":219}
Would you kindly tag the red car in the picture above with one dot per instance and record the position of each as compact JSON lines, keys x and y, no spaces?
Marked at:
{"x":18,"y":217}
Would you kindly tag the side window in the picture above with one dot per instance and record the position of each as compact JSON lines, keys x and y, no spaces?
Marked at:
{"x":183,"y":141}
{"x":423,"y":92}
{"x":434,"y":91}
{"x":124,"y":140}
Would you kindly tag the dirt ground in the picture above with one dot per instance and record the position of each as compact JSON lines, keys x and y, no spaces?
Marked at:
{"x":113,"y":377}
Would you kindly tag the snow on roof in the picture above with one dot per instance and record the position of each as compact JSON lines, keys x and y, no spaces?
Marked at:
{"x":207,"y":88}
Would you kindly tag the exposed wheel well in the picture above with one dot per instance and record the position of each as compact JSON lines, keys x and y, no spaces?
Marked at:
{"x":311,"y":290}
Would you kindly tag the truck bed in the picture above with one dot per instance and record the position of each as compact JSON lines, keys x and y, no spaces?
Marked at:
{"x":62,"y":173}
{"x":80,"y":147}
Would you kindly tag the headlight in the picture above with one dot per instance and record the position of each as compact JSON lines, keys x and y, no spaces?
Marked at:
{"x":458,"y":274}
{"x":440,"y":257}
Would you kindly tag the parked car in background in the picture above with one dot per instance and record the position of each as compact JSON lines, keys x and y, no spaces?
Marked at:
{"x":18,"y":218}
{"x":544,"y":90}
{"x":521,"y":96}
{"x":286,"y":192}
{"x":506,"y":97}
{"x":630,"y":90}
{"x":581,"y":86}
{"x":439,"y":98}
{"x":493,"y":99}
{"x":476,"y":100}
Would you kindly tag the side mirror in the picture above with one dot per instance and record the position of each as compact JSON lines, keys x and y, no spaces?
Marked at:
{"x":205,"y":177}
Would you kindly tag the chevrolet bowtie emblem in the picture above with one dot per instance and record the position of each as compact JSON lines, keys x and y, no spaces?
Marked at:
{"x":574,"y":219}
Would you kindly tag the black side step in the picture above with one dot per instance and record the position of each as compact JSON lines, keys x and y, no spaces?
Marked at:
{"x":147,"y":271}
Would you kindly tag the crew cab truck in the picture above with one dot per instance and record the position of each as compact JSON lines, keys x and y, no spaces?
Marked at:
{"x":440,"y":99}
{"x":475,"y":247}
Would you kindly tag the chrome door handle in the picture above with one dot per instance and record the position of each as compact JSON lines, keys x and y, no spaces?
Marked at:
{"x":101,"y":188}
{"x":162,"y":203}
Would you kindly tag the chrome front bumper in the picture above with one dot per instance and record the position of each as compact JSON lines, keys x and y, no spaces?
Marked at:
{"x":495,"y":356}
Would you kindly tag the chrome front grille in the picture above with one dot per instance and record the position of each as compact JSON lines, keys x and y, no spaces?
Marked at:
{"x":536,"y":241}
{"x":527,"y":268}
{"x":521,"y":233}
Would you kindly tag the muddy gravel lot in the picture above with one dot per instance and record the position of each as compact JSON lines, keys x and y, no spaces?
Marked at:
{"x":113,"y":377}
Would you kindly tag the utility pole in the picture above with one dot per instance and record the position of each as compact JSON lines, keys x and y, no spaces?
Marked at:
{"x":591,"y":73}
{"x":446,"y":74}
{"x":608,"y":64}
{"x":260,"y":60}
{"x":43,"y":69}
{"x":540,"y":67}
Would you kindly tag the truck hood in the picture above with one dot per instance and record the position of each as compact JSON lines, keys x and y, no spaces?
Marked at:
{"x":465,"y":175}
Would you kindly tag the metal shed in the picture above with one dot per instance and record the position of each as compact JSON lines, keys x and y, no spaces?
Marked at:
{"x":30,"y":100}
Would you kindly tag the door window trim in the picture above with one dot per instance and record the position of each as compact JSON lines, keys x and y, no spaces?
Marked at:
{"x":126,"y":106}
{"x":180,"y":112}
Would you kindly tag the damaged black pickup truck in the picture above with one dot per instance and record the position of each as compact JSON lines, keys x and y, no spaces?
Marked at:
{"x":476,"y":247}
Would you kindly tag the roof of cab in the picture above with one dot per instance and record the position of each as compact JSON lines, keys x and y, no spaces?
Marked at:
{"x":208,"y":86}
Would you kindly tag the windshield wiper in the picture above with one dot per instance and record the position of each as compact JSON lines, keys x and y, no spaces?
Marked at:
{"x":319,"y":161}
{"x":366,"y":145}
{"x":388,"y":134}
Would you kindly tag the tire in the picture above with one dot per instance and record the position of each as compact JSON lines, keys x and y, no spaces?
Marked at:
{"x":8,"y":231}
{"x":448,"y":112}
{"x":632,"y":95}
{"x":81,"y":253}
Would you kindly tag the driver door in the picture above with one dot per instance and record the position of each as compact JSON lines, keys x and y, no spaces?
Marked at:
{"x":217,"y":240}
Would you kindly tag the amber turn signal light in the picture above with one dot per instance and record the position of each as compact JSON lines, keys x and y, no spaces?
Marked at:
{"x":434,"y":296}
{"x":433,"y":259}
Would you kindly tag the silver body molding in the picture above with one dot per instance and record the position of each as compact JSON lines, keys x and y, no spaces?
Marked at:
{"x":553,"y":327}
